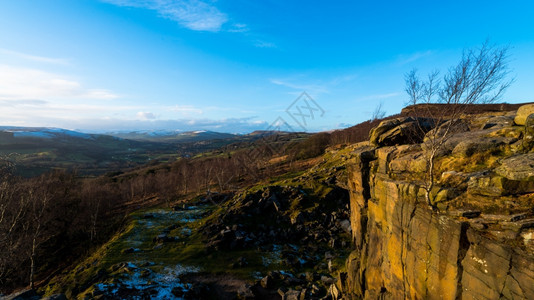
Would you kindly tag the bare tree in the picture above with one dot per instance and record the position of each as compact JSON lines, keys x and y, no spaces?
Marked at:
{"x":184,"y":171}
{"x":36,"y":222}
{"x":479,"y":77}
{"x":378,"y":113}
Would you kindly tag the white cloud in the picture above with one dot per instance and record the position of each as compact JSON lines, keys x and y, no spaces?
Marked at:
{"x":145,"y":115}
{"x":18,"y":83}
{"x":22,"y":103}
{"x":192,"y":14}
{"x":34,"y":58}
{"x":231,"y":125}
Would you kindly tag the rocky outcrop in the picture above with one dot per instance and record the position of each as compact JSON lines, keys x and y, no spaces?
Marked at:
{"x":404,"y":249}
{"x":399,"y":131}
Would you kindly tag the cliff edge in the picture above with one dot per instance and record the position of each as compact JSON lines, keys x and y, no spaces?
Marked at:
{"x":477,"y":242}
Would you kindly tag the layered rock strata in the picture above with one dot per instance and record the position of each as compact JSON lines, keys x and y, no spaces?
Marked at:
{"x":405,"y":249}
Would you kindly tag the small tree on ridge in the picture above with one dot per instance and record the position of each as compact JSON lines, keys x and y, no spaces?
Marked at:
{"x":479,"y":77}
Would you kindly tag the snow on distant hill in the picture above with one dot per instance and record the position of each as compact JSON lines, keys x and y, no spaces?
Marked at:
{"x":43,"y":132}
{"x":172,"y":136}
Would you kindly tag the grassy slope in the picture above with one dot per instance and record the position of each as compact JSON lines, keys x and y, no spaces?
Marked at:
{"x":190,"y":249}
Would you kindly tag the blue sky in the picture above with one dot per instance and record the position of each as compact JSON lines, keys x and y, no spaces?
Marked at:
{"x":236,"y":65}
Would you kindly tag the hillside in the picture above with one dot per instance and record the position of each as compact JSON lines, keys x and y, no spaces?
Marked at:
{"x":287,"y":232}
{"x":36,"y":150}
{"x":318,"y":218}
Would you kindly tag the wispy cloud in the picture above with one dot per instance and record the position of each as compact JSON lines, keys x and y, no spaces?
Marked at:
{"x":238,"y":27}
{"x":300,"y":87}
{"x":35,"y":58}
{"x":406,"y":59}
{"x":192,"y":14}
{"x":379,"y":96}
{"x":18,"y":83}
{"x":186,"y":109}
{"x":264,"y":44}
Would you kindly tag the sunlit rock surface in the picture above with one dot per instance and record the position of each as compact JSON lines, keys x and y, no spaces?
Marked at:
{"x":476,"y":245}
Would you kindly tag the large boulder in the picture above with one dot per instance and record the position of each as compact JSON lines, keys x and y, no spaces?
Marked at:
{"x":519,"y":167}
{"x":498,"y":122}
{"x":522,"y":113}
{"x":400,"y":131}
{"x":450,"y":127}
{"x":474,"y":145}
{"x":514,"y":176}
{"x":528,"y":138}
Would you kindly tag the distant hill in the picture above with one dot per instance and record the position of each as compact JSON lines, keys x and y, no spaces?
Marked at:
{"x":167,"y":136}
{"x":21,"y":133}
{"x":35,"y":150}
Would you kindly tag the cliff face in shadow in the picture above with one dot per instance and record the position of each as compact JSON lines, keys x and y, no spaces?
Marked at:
{"x":476,"y":244}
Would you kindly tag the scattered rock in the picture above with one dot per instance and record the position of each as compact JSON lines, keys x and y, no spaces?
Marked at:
{"x":328,"y":280}
{"x":345,"y":225}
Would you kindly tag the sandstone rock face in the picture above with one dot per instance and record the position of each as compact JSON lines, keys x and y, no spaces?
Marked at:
{"x":522,"y":113}
{"x":405,"y":250}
